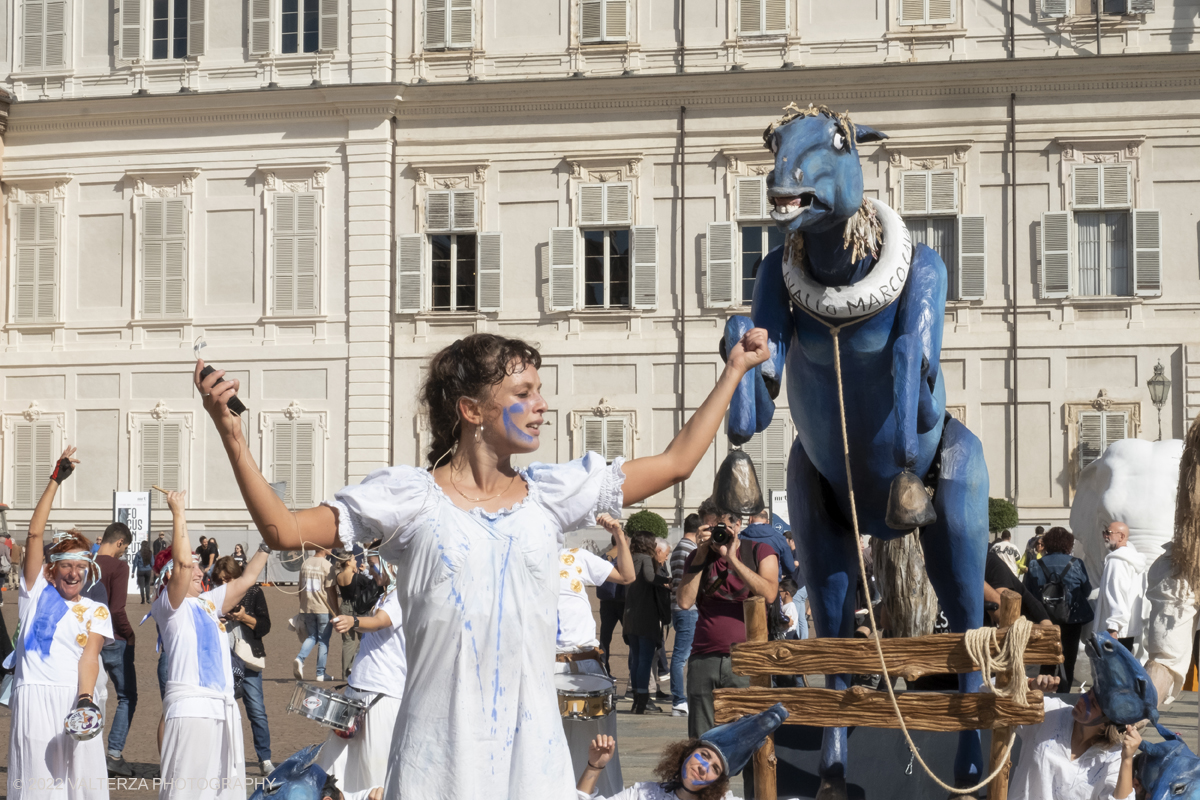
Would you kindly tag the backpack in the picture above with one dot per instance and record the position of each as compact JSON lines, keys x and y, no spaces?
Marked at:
{"x":1055,"y":596}
{"x":364,"y":594}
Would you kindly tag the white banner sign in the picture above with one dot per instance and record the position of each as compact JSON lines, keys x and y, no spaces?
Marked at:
{"x":133,"y":509}
{"x":779,"y":505}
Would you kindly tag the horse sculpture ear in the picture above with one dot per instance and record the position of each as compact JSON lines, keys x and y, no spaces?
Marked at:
{"x":865,"y":133}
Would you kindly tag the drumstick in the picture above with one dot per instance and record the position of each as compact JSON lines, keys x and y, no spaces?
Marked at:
{"x":164,"y":491}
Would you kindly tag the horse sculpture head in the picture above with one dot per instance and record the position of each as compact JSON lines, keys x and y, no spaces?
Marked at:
{"x":817,"y":183}
{"x":1123,"y":688}
{"x":1168,"y":771}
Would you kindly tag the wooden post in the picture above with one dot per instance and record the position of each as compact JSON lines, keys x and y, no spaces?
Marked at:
{"x":755,"y":611}
{"x":1010,"y":609}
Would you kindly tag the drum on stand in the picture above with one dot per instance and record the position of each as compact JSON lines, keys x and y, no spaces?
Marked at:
{"x":588,"y":704}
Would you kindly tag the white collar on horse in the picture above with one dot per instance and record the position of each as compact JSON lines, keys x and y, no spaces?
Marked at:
{"x":874,"y":292}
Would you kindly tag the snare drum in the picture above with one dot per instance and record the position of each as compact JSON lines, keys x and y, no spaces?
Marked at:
{"x":326,"y":708}
{"x":584,"y":696}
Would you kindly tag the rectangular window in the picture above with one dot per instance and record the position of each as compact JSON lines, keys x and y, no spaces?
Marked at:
{"x":453,"y":271}
{"x":164,"y":257}
{"x":296,"y":253}
{"x":606,"y":268}
{"x":169,"y":29}
{"x":44,"y":35}
{"x":37,"y":263}
{"x":161,"y":459}
{"x":926,"y":12}
{"x":603,"y":21}
{"x":1097,"y":430}
{"x":295,"y":461}
{"x":938,"y":234}
{"x":758,"y":17}
{"x":32,"y":462}
{"x":300,"y":23}
{"x":1102,"y":241}
{"x":757,"y":241}
{"x":605,"y":436}
{"x":449,"y":24}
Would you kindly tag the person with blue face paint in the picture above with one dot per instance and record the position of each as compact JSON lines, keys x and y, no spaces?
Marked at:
{"x":56,"y":662}
{"x":202,"y":752}
{"x":475,"y":541}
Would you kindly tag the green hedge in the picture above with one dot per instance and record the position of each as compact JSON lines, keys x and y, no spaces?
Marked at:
{"x":647,"y":521}
{"x":1002,"y":515}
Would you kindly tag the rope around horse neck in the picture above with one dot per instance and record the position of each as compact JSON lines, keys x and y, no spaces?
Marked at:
{"x":862,"y":571}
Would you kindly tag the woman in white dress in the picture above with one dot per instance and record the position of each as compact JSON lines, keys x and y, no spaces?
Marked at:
{"x":475,"y":542}
{"x":202,"y":753}
{"x":57,"y":660}
{"x":377,"y":678}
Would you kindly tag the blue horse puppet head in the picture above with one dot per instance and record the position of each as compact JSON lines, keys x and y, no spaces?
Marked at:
{"x":1168,"y":771}
{"x":298,"y":778}
{"x":817,"y":183}
{"x":1123,"y":689}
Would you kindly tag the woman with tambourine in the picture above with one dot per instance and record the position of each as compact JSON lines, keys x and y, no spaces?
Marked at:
{"x":54,"y":749}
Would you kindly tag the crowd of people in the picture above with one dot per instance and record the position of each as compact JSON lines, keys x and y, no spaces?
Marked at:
{"x":442,"y":578}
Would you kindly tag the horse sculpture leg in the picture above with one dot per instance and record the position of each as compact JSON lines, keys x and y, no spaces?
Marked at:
{"x":955,"y":550}
{"x":826,"y":552}
{"x":908,"y":504}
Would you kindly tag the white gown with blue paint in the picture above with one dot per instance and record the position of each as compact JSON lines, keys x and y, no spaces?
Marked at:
{"x":479,"y":593}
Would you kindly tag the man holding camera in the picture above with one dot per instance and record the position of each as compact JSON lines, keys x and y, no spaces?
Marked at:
{"x":718,"y":577}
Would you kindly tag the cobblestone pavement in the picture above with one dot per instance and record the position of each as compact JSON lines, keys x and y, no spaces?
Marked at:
{"x":641,"y":737}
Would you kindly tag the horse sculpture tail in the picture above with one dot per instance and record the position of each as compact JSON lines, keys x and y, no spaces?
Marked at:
{"x":910,"y":606}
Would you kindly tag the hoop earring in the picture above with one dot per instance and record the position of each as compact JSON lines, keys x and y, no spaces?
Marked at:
{"x":479,"y":434}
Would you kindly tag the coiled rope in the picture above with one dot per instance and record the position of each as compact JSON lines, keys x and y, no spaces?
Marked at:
{"x":979,"y":642}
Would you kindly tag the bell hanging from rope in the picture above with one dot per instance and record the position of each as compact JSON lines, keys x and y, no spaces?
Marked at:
{"x":736,"y":488}
{"x":909,"y":505}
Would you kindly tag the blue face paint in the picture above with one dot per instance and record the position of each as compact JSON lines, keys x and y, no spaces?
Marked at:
{"x":511,"y":428}
{"x":704,"y":764}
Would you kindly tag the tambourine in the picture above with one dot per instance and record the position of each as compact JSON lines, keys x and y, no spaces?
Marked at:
{"x":85,"y":722}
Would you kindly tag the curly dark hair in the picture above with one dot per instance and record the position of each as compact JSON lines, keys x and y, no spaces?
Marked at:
{"x":671,"y":762}
{"x":643,"y":543}
{"x":468,"y":368}
{"x":1058,"y":540}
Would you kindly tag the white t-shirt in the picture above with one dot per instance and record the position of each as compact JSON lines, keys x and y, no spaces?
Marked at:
{"x":197,"y":650}
{"x":380,"y":665}
{"x":53,"y":634}
{"x":1045,"y":770}
{"x":578,"y":569}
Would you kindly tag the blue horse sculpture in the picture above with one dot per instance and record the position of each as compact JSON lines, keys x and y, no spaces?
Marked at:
{"x":847,"y":267}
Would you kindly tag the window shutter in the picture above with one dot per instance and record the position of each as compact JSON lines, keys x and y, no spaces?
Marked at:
{"x":487,"y":272}
{"x":591,"y":204}
{"x":1086,"y":182}
{"x":32,"y":458}
{"x":1116,"y":185}
{"x":260,"y":27}
{"x":941,"y":12}
{"x":562,"y":269}
{"x":33,"y":39}
{"x":943,"y":192}
{"x":914,"y":192}
{"x":645,"y":266}
{"x":171,"y":461}
{"x":1054,"y":9}
{"x":1115,"y":427}
{"x":972,"y":258}
{"x":161,"y":458}
{"x":773,"y":474}
{"x":131,"y":29}
{"x":593,"y":435}
{"x":283,"y":456}
{"x":591,"y":21}
{"x":750,"y":14}
{"x":618,"y":205}
{"x":410,"y":257}
{"x":462,"y":24}
{"x":719,"y":247}
{"x":195,"y":38}
{"x":307,"y":241}
{"x":55,"y":50}
{"x":36,"y":263}
{"x":614,"y":438}
{"x":152,"y":257}
{"x":775,"y":17}
{"x":1056,"y":254}
{"x":751,"y":198}
{"x":616,"y":20}
{"x":304,"y":469}
{"x":175,"y":257}
{"x":47,"y":219}
{"x":1147,"y":253}
{"x":912,"y":12}
{"x":285,"y":252}
{"x":1091,"y":436}
{"x":435,"y":24}
{"x":437,"y":212}
{"x":464,"y":205}
{"x":328,"y":30}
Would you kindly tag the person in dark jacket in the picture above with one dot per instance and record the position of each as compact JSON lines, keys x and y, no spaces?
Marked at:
{"x":612,"y":607}
{"x":1058,"y":543}
{"x":998,"y":575}
{"x":254,"y":622}
{"x":642,"y":624}
{"x":768,"y":529}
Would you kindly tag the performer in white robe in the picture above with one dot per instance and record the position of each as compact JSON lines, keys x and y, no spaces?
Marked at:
{"x":202,"y":752}
{"x":376,"y":677}
{"x":475,"y":542}
{"x":56,"y":660}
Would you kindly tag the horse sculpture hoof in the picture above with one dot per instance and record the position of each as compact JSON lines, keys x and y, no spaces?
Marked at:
{"x":832,"y":789}
{"x":909,"y":505}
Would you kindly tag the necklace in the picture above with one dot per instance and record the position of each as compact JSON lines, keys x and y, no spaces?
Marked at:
{"x":454,"y":483}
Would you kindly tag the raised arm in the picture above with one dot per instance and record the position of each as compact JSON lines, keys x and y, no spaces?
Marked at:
{"x":649,"y":476}
{"x":181,"y":551}
{"x":236,"y":589}
{"x":623,"y":572}
{"x":281,"y":528}
{"x":34,"y":556}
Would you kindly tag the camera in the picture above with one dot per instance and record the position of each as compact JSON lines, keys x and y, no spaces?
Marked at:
{"x":721,"y":535}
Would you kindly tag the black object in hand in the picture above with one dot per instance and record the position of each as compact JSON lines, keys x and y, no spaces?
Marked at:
{"x":62,"y":470}
{"x":235,"y":405}
{"x":721,"y":535}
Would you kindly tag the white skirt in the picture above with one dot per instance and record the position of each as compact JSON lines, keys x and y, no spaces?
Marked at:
{"x":194,"y":753}
{"x":361,"y":763}
{"x":43,"y":761}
